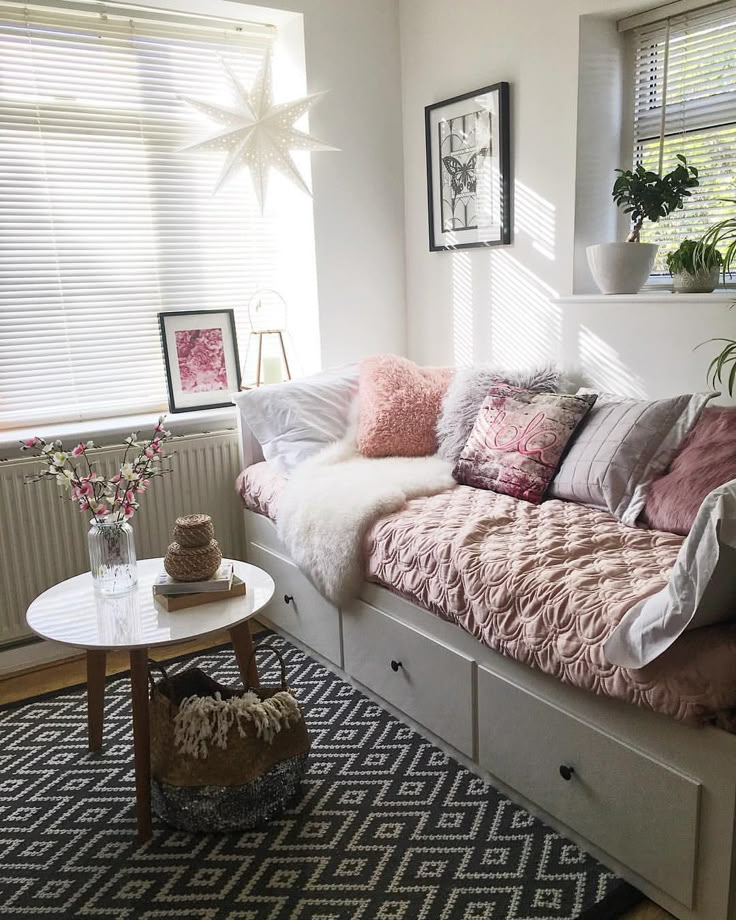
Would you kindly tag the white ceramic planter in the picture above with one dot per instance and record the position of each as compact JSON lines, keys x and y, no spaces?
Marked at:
{"x":621,"y":268}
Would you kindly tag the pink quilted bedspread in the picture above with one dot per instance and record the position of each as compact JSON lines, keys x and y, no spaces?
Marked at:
{"x":545,"y":585}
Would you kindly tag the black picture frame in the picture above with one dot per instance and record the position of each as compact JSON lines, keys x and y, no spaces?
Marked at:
{"x":434,"y":159}
{"x":179,"y":399}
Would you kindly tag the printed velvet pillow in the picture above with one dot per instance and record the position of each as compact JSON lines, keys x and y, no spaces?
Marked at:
{"x":707,"y":460}
{"x":399,"y":406}
{"x":518,"y":440}
{"x":465,"y":395}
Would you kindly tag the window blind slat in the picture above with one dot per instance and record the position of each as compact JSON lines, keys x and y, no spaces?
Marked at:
{"x":699,"y":113}
{"x":104,"y":222}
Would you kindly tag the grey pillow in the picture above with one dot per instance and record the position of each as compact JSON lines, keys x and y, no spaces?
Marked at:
{"x":465,"y":395}
{"x":623,"y":445}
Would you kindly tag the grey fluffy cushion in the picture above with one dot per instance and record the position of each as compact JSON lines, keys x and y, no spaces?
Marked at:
{"x":465,"y":396}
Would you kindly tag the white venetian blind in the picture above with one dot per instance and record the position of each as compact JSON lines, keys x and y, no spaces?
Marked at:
{"x":685,"y":102}
{"x":103,"y":221}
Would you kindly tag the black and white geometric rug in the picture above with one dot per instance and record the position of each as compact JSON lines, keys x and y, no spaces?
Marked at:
{"x":388,"y":827}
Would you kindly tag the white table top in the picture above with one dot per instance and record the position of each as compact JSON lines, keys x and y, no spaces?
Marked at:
{"x":74,"y":614}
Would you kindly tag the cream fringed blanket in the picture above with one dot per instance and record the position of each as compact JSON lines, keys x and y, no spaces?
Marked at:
{"x":328,"y":505}
{"x":204,"y":721}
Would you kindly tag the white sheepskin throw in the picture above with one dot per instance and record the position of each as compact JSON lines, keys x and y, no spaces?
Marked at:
{"x":331,"y":501}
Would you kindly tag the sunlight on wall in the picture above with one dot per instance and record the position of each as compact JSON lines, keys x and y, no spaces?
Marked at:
{"x":603,"y":367}
{"x":525,"y":326}
{"x":290,"y":214}
{"x":462,"y":309}
{"x":534,"y":217}
{"x":501,"y":310}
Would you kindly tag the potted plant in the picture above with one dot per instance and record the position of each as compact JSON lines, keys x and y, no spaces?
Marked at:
{"x":622,"y":268}
{"x":722,"y":233}
{"x":689,"y":277}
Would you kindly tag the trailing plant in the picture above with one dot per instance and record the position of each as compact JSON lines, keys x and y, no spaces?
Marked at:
{"x":721,"y":234}
{"x":646,"y":195}
{"x":688,"y":258}
{"x":721,"y":364}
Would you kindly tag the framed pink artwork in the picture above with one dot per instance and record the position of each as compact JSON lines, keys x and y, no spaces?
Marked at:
{"x":201,"y":357}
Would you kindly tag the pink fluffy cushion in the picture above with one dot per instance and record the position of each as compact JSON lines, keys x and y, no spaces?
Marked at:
{"x":518,"y":440}
{"x":707,"y":460}
{"x":399,"y":406}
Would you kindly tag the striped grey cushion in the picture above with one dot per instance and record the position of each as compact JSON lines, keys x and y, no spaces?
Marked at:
{"x":623,"y":445}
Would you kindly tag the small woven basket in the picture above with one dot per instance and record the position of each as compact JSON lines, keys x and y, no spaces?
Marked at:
{"x":194,"y":530}
{"x":192,"y":563}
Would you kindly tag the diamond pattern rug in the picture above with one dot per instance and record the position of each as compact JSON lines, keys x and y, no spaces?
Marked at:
{"x":388,"y":827}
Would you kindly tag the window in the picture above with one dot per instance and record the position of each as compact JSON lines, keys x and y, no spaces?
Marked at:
{"x":104,"y":222}
{"x":685,"y":102}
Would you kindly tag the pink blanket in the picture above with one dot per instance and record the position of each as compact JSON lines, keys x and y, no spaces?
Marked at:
{"x":544,"y":585}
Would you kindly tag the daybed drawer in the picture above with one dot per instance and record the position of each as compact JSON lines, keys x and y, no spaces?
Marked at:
{"x":306,"y":615}
{"x":638,"y":810}
{"x":422,"y":678}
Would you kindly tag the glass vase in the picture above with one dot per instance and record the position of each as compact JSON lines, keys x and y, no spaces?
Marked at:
{"x":112,"y":556}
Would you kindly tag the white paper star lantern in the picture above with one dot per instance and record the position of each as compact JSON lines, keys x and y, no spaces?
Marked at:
{"x":259,"y":135}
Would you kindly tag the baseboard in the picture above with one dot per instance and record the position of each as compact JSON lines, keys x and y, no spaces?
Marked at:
{"x":34,"y":654}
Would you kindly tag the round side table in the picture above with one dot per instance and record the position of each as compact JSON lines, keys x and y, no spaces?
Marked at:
{"x":74,"y":614}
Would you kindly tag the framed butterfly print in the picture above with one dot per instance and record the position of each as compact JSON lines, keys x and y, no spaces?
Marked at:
{"x":468,"y":179}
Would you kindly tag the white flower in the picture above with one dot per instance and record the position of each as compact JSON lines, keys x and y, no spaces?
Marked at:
{"x":60,"y":458}
{"x":132,"y":439}
{"x":128,"y":473}
{"x":64,"y":478}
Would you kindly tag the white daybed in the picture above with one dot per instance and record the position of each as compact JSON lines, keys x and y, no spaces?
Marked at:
{"x":651,"y":797}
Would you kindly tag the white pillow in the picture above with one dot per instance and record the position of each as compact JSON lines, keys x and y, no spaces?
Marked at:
{"x":701,"y":590}
{"x":293,"y":421}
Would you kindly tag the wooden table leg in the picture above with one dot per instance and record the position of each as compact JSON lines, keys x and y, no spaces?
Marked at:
{"x":141,"y":740}
{"x":243,"y":646}
{"x":96,"y":663}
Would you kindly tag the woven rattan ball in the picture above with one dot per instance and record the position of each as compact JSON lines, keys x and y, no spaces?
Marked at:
{"x":192,"y":563}
{"x":194,"y":530}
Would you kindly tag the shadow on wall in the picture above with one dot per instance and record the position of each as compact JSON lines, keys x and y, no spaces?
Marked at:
{"x":462,"y":309}
{"x":502,"y":311}
{"x":505,"y":313}
{"x":597,"y":363}
{"x":534,"y":218}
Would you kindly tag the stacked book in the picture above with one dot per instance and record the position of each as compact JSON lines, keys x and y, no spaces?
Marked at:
{"x":178,"y":595}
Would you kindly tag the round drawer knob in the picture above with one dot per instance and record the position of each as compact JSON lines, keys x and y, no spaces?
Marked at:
{"x":395,"y":665}
{"x":566,"y":772}
{"x":288,"y":598}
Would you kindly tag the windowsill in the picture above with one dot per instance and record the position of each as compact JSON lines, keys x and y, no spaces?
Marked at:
{"x":651,"y":296}
{"x":113,"y":430}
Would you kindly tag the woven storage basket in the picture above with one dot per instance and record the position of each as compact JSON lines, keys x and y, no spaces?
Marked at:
{"x":194,"y":530}
{"x":192,"y":563}
{"x":241,"y":786}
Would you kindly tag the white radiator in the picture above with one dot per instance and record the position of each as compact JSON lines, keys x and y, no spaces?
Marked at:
{"x":43,"y":538}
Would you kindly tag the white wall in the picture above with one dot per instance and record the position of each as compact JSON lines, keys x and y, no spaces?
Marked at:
{"x":352,"y":50}
{"x":501,"y":304}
